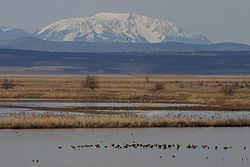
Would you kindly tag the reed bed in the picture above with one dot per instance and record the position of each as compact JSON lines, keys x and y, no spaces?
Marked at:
{"x":57,"y":122}
{"x":178,"y":89}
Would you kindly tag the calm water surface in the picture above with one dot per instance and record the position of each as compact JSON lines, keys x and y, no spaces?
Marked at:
{"x":52,"y":148}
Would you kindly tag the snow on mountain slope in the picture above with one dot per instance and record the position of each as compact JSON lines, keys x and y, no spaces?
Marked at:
{"x":7,"y":33}
{"x":118,"y":27}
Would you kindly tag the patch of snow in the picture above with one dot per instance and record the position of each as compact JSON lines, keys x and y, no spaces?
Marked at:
{"x":5,"y":29}
{"x":122,"y":27}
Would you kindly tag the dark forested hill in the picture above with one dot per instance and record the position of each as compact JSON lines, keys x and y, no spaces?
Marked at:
{"x":30,"y":43}
{"x":205,"y":62}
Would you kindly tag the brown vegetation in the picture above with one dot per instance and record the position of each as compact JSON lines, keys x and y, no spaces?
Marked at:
{"x":158,"y":87}
{"x":8,"y":84}
{"x":91,"y":82}
{"x":180,"y":89}
{"x":229,"y":89}
{"x":51,"y":122}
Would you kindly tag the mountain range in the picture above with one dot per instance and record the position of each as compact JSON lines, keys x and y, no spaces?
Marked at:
{"x":118,"y":27}
{"x":31,"y":43}
{"x":111,"y":43}
{"x":112,"y":32}
{"x":7,"y":33}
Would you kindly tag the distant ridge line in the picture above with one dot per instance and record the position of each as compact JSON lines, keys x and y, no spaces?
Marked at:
{"x":31,"y":43}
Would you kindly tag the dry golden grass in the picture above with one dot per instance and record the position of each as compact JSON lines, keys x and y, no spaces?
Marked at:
{"x":180,"y":89}
{"x":111,"y":122}
{"x":177,"y":89}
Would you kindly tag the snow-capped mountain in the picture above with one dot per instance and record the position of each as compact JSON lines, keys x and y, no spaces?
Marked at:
{"x":118,"y":27}
{"x":7,"y":33}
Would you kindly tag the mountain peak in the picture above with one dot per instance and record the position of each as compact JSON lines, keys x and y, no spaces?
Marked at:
{"x":118,"y":27}
{"x":7,"y":33}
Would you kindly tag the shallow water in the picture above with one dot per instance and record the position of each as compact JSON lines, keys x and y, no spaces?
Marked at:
{"x":19,"y":148}
{"x":6,"y":112}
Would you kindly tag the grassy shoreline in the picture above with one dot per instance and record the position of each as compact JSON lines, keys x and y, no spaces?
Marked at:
{"x":142,"y":89}
{"x":181,"y":89}
{"x":111,"y":122}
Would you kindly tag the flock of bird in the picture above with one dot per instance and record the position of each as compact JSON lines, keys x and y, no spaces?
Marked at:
{"x":147,"y":146}
{"x":166,"y":147}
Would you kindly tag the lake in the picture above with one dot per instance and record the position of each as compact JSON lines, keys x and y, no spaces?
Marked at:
{"x":224,"y":147}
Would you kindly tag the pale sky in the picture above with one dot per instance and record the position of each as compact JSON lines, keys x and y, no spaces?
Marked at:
{"x":219,"y":20}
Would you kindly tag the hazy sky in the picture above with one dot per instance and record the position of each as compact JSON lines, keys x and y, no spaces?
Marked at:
{"x":219,"y":20}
